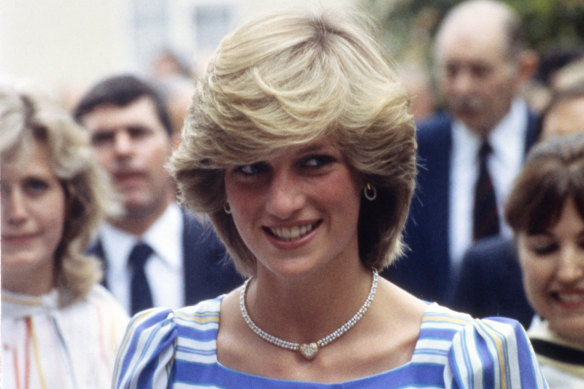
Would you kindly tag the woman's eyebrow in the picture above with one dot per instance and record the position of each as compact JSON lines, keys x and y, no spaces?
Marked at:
{"x":312,"y":148}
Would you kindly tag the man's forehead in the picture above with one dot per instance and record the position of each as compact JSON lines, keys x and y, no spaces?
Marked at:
{"x":141,"y":112}
{"x":484,"y":32}
{"x":462,"y":45}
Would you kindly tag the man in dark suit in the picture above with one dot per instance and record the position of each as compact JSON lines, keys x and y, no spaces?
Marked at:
{"x":490,"y":281}
{"x":155,"y":253}
{"x":482,"y":65}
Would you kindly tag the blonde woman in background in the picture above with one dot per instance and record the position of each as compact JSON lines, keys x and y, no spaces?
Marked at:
{"x":60,"y":328}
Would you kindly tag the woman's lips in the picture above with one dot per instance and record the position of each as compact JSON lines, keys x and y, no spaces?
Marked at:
{"x":293,"y":232}
{"x":17,"y":240}
{"x":573,"y":299}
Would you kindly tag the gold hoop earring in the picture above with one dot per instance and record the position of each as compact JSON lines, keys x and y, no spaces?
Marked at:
{"x":227,"y":208}
{"x":370,"y":192}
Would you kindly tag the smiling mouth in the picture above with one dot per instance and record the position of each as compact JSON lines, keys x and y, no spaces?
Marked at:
{"x":570,"y":300}
{"x":292,"y":233}
{"x":17,"y":239}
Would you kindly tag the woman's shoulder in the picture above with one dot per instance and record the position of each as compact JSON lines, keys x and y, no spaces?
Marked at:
{"x":203,"y":316}
{"x":155,"y":336}
{"x":438,"y":316}
{"x":496,"y":349}
{"x":98,"y":295}
{"x":456,"y":329}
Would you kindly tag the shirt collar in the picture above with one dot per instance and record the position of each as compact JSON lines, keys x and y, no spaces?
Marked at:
{"x":160,"y":237}
{"x":505,"y":139}
{"x":16,"y":305}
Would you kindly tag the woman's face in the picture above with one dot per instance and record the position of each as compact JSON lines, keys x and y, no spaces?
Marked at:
{"x":553,"y":273}
{"x":297,"y":211}
{"x":33,"y":214}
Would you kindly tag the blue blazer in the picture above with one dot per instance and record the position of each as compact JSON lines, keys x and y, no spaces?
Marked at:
{"x":424,"y":269}
{"x":208,"y":271}
{"x":490,"y":282}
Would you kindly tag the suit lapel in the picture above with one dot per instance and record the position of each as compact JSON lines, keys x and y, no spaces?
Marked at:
{"x":96,"y":249}
{"x":533,"y":130}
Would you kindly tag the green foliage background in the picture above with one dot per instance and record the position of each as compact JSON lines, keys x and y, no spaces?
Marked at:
{"x":409,"y":25}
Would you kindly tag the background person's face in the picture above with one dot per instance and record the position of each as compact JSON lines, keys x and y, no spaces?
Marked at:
{"x":33,"y":219}
{"x":565,"y":118}
{"x":133,"y":146}
{"x":552,"y":263}
{"x":477,"y":78}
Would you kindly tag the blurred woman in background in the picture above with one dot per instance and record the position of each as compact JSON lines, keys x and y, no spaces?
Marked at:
{"x":546,"y":212}
{"x":60,"y":328}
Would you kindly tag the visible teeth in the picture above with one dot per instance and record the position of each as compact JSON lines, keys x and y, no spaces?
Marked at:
{"x":571,"y":298}
{"x":293,"y":232}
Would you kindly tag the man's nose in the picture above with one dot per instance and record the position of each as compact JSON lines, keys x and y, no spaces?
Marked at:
{"x":462,"y":82}
{"x":123,"y":143}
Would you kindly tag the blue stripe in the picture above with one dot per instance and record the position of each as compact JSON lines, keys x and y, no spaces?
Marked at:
{"x":200,"y":324}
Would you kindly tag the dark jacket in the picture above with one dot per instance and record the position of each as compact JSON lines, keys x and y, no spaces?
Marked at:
{"x":490,"y":282}
{"x":425,"y":268}
{"x":208,"y":272}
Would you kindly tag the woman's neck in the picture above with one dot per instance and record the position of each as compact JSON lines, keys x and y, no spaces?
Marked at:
{"x":35,"y":281}
{"x":306,"y":309}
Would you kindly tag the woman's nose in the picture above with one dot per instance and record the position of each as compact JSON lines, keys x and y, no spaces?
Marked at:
{"x":571,"y":266}
{"x":14,"y":206}
{"x":285,"y":196}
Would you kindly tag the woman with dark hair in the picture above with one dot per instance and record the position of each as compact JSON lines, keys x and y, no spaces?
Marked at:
{"x":546,"y":212}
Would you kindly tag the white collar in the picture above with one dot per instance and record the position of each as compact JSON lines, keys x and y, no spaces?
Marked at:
{"x":540,"y":329}
{"x":117,"y":243}
{"x":16,"y":305}
{"x":505,"y":139}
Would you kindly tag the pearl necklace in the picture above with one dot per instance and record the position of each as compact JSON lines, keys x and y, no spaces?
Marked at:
{"x":307,"y":350}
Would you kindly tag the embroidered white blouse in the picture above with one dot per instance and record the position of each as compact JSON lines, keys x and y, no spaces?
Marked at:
{"x":44,"y":346}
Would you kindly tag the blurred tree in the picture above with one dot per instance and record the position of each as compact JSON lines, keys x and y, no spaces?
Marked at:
{"x":409,"y":25}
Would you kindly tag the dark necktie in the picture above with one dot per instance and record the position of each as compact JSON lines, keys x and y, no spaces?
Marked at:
{"x":485,"y":215}
{"x":140,"y":290}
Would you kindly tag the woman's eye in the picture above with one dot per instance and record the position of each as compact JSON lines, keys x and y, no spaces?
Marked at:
{"x":252,"y":169}
{"x":36,"y":186}
{"x":316,"y":161}
{"x":544,"y":249}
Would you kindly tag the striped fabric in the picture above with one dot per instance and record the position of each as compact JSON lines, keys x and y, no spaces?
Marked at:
{"x":165,"y":348}
{"x":47,"y":346}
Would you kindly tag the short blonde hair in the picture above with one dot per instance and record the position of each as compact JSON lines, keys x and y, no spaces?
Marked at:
{"x":287,"y":79}
{"x":29,"y":116}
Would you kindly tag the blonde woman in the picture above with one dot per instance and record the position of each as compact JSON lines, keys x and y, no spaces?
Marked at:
{"x":300,"y":147}
{"x":60,"y":328}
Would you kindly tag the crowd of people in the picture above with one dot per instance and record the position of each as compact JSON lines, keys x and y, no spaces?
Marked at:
{"x":292,"y":219}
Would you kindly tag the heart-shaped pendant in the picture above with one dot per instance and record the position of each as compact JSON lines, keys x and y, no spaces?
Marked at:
{"x":308,"y":351}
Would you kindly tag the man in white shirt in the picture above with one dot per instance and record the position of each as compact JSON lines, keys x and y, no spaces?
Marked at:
{"x":482,"y":66}
{"x":183,"y":262}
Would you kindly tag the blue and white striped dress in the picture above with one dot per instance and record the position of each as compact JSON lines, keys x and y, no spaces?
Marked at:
{"x":165,"y":348}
